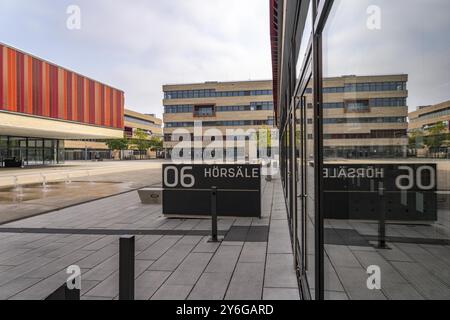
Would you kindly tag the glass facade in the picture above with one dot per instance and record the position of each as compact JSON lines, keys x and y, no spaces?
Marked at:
{"x":211,"y":93}
{"x":368,"y":220}
{"x":20,"y":151}
{"x":232,"y":123}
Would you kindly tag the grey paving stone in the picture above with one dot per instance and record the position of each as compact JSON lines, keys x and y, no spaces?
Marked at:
{"x":42,"y":289}
{"x":253,"y":252}
{"x":354,"y":281}
{"x":16,"y":286}
{"x":435,"y":266}
{"x":281,"y":294}
{"x":100,"y":243}
{"x":175,"y":255}
{"x":280,"y":271}
{"x":279,"y":239}
{"x":57,"y":265}
{"x":395,"y":254}
{"x":97,"y":257}
{"x":172,"y":292}
{"x":155,"y":251}
{"x":388,"y":273}
{"x":341,"y":256}
{"x":103,"y":270}
{"x":19,"y":271}
{"x":332,"y":282}
{"x":95,"y":298}
{"x":224,"y":260}
{"x":400,"y":291}
{"x":335,"y":295}
{"x":246,"y":282}
{"x":428,"y":285}
{"x":14,"y":252}
{"x":190,"y":270}
{"x":210,"y":286}
{"x":149,"y":282}
{"x":4,"y":268}
{"x":86,"y":285}
{"x":145,"y":242}
{"x":21,"y":259}
{"x":109,"y":287}
{"x":205,"y":246}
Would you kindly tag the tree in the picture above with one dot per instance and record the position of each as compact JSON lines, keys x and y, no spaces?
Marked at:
{"x":437,"y":129}
{"x":436,"y":135}
{"x":141,"y":141}
{"x":416,"y":139}
{"x":156,"y":143}
{"x":118,"y":144}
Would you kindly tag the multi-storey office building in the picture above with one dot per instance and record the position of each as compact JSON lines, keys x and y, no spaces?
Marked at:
{"x":363,"y":116}
{"x":148,"y":123}
{"x":42,"y":105}
{"x":337,"y":208}
{"x":225,"y":106}
{"x":428,"y":116}
{"x":133,"y":121}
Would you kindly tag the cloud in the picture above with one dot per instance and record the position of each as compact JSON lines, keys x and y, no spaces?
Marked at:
{"x":410,"y":41}
{"x":139,"y":45}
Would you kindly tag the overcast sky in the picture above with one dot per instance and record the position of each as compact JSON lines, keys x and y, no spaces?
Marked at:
{"x":413,"y":39}
{"x":139,"y":45}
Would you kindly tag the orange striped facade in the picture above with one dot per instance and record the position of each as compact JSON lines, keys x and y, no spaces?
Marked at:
{"x":32,"y":86}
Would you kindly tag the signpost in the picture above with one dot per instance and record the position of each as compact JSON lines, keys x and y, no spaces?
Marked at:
{"x":352,"y":191}
{"x":187,"y":190}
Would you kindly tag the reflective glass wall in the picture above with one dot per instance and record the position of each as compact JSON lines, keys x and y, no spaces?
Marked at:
{"x":365,"y":142}
{"x":386,"y":195}
{"x":21,"y":151}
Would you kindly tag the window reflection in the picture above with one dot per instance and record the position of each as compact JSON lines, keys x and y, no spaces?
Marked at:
{"x":379,"y":71}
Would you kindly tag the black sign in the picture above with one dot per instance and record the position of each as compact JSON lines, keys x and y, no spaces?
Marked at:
{"x":404,"y":191}
{"x":187,"y":189}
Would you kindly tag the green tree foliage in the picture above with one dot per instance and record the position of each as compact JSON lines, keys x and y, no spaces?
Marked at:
{"x":436,"y":135}
{"x":141,"y":140}
{"x":156,"y":143}
{"x":118,"y":144}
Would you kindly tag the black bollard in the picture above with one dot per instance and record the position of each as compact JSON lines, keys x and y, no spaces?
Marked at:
{"x":214,"y":237}
{"x":126,"y":268}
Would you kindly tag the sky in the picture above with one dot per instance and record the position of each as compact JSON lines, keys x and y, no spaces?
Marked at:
{"x":413,"y":38}
{"x":139,"y":45}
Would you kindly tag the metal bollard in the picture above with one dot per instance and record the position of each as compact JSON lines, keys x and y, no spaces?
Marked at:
{"x":214,"y":237}
{"x":382,"y":222}
{"x":126,"y":268}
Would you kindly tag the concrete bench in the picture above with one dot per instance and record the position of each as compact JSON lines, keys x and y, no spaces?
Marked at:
{"x":151,"y":195}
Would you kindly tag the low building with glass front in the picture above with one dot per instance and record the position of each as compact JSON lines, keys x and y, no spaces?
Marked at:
{"x":42,"y":105}
{"x":97,"y":149}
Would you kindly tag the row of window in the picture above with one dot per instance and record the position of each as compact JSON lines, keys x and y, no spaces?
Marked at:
{"x":374,"y":134}
{"x":435,"y":114}
{"x":365,"y":87}
{"x":376,"y":103}
{"x":168,"y":138}
{"x":254,"y":106}
{"x":375,"y":86}
{"x":365,"y":120}
{"x":179,"y":109}
{"x":212,"y":93}
{"x":231,"y":123}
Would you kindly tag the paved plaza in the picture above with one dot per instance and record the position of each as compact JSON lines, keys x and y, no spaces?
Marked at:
{"x":174,"y":259}
{"x":32,"y":191}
